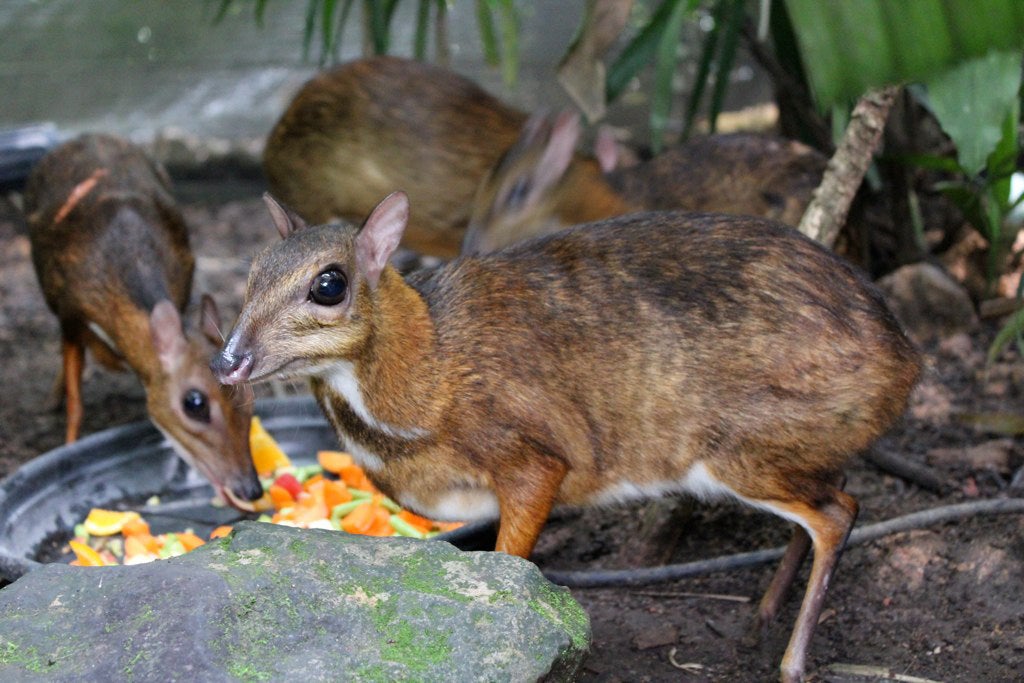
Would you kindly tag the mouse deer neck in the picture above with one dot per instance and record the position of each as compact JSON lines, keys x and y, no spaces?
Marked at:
{"x":391,"y":383}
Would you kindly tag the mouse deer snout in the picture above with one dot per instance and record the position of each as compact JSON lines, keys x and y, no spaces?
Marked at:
{"x":230,"y":365}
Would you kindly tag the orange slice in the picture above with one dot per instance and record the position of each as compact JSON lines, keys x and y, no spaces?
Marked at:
{"x":102,"y":522}
{"x":267,"y":456}
{"x":85,"y":556}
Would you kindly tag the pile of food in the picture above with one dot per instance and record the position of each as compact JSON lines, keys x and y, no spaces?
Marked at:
{"x":334,"y":493}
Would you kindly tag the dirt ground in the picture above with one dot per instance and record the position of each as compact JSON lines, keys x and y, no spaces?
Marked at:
{"x":940,"y":603}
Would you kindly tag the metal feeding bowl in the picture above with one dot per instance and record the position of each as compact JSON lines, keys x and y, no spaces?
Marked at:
{"x":124,"y":467}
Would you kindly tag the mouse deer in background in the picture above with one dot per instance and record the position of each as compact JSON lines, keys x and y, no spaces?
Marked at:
{"x":654,"y":353}
{"x":111,"y":251}
{"x":539,"y":187}
{"x":354,"y":133}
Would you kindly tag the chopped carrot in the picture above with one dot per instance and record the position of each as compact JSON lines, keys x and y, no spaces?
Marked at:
{"x":368,"y":519}
{"x":354,"y":477}
{"x":85,"y":556}
{"x":312,"y":481}
{"x":134,"y":547}
{"x":281,"y":497}
{"x":221,"y":531}
{"x":309,"y":508}
{"x":334,"y":461}
{"x":150,"y":542}
{"x":448,"y":526}
{"x":282,"y":516}
{"x":189,"y":540}
{"x":335,"y":493}
{"x":135,"y":527}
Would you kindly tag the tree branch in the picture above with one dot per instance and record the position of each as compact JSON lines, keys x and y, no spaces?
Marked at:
{"x":831,"y":201}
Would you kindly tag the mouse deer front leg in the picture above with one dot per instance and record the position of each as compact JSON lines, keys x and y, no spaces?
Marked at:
{"x":526,"y":493}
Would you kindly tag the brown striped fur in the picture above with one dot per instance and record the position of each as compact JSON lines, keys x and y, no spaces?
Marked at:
{"x":354,"y":133}
{"x":111,"y":251}
{"x":645,"y":354}
{"x":533,"y":190}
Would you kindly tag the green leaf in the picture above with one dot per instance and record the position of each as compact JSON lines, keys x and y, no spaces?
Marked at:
{"x":422,"y":28}
{"x":972,"y":102}
{"x":1013,"y":329}
{"x":380,"y":19}
{"x":488,"y":36}
{"x":666,"y":58}
{"x":638,"y":53}
{"x":309,"y":27}
{"x":730,"y":39}
{"x":849,"y":47}
{"x":326,"y":29}
{"x":932,"y":162}
{"x":509,"y":41}
{"x":222,"y":11}
{"x":261,"y":9}
{"x":700,"y":81}
{"x":1002,"y":163}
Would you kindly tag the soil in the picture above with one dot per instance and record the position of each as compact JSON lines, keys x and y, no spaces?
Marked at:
{"x":940,"y":603}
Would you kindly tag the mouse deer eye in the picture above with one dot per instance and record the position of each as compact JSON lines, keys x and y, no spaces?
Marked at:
{"x":329,"y":288}
{"x":196,"y":405}
{"x":518,"y":193}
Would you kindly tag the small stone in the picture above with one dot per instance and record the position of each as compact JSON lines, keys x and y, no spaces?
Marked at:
{"x":656,"y":638}
{"x":928,"y":302}
{"x":992,"y":455}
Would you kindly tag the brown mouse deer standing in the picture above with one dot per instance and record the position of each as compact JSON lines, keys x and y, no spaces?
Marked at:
{"x":538,"y":186}
{"x":111,"y":251}
{"x":648,"y":354}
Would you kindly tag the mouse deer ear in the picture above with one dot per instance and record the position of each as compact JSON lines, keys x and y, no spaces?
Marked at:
{"x":286,"y":221}
{"x":167,"y":334}
{"x":561,"y":146}
{"x":606,"y":149}
{"x":380,"y":234}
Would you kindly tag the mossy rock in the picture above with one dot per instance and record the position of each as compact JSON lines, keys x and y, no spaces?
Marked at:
{"x":271,"y":602}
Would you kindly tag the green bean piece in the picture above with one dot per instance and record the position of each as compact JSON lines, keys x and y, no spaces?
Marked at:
{"x":404,"y":528}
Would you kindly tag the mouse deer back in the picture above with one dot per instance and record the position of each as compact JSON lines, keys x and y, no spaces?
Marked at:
{"x":353,"y":133}
{"x":654,"y":353}
{"x":111,"y":251}
{"x":533,"y":191}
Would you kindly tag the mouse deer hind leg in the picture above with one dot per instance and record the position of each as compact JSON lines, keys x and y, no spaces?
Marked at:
{"x":826,"y":523}
{"x":785,"y":573}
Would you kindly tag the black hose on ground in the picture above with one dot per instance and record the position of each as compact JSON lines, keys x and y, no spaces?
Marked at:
{"x":637,"y":577}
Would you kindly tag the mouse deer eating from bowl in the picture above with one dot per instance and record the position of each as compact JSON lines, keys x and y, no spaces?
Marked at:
{"x":111,"y":251}
{"x":649,"y":354}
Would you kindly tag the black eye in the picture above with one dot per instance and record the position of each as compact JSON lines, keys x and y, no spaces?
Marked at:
{"x":518,"y":193}
{"x":196,"y":405}
{"x":329,"y":288}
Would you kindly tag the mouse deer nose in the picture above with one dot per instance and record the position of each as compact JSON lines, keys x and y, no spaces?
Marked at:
{"x":230,"y":367}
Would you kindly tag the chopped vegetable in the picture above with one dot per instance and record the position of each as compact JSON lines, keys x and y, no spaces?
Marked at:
{"x":85,"y":556}
{"x":108,"y":522}
{"x":334,"y":461}
{"x":333,"y":494}
{"x":288,"y":482}
{"x":267,"y":456}
{"x":189,"y":540}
